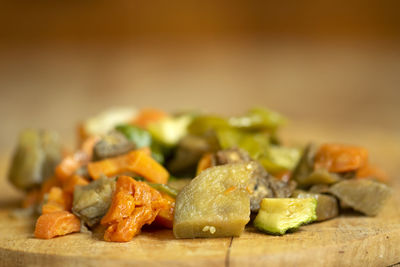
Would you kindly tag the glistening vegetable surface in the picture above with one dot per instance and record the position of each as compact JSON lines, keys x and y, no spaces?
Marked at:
{"x":117,"y":180}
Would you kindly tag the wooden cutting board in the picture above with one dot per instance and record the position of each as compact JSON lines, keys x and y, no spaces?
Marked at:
{"x":350,"y":239}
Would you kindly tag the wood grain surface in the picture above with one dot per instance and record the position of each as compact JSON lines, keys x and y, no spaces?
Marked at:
{"x":349,"y":240}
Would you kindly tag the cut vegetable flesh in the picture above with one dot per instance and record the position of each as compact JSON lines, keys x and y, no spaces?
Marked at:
{"x":215,"y":204}
{"x":278,"y":215}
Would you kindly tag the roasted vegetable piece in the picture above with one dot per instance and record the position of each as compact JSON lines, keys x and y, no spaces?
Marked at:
{"x":73,"y":181}
{"x":106,"y":121}
{"x":280,"y":159}
{"x":111,"y":145}
{"x":340,"y":158}
{"x":208,"y":207}
{"x":256,"y":144}
{"x":92,"y":201}
{"x":133,"y":205}
{"x":206,"y":123}
{"x":372,"y":172}
{"x":34,"y":160}
{"x":321,"y":176}
{"x":72,"y":163}
{"x":259,"y":119}
{"x":327,"y":206}
{"x":170,"y":130}
{"x":166,"y":215}
{"x":148,"y":116}
{"x":278,"y":215}
{"x":136,"y":161}
{"x":189,"y":151}
{"x":57,"y":200}
{"x":140,"y":137}
{"x":364,"y":195}
{"x":262,"y":184}
{"x":58,"y":223}
{"x":166,"y":189}
{"x":305,"y":166}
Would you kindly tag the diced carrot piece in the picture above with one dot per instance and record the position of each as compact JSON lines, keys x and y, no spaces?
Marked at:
{"x":68,"y":166}
{"x":58,"y":223}
{"x":121,"y":207}
{"x":147,"y":116}
{"x":145,"y":150}
{"x":72,"y":181}
{"x":136,"y":161}
{"x":340,"y":158}
{"x":57,"y":201}
{"x":133,"y":205}
{"x":147,"y":167}
{"x":166,"y":215}
{"x":370,"y":171}
{"x":204,"y":163}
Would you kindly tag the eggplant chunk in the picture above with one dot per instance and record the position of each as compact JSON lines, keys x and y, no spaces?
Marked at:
{"x":112,"y":145}
{"x":215,"y":204}
{"x":35,"y":158}
{"x":327,"y":206}
{"x":262,"y":184}
{"x":92,"y":201}
{"x":189,"y":151}
{"x":366,"y":196}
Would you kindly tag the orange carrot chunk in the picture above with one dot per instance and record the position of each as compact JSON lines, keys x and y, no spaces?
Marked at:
{"x":56,"y":224}
{"x":147,"y":116}
{"x":340,"y":158}
{"x":72,"y":181}
{"x":71,"y":163}
{"x":133,"y":205}
{"x":57,"y":200}
{"x":137,"y":161}
{"x":373,"y":172}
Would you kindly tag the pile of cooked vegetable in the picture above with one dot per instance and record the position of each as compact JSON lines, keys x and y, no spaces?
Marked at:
{"x":198,"y":174}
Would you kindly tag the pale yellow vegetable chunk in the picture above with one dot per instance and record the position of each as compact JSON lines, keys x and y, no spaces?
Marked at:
{"x":216,"y":203}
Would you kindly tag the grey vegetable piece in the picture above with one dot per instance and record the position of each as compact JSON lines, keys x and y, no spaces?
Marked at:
{"x":91,"y":202}
{"x":112,"y":145}
{"x":37,"y":154}
{"x":261,"y":184}
{"x":327,"y":206}
{"x":366,"y":196}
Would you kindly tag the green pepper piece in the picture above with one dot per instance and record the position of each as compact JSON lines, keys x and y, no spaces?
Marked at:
{"x":140,"y":137}
{"x":164,"y":189}
{"x":203,"y":124}
{"x":256,"y":144}
{"x":259,"y":119}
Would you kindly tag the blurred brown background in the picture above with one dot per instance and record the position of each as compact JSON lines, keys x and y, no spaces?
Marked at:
{"x":333,"y":67}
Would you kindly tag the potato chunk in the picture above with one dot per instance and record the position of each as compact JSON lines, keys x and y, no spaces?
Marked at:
{"x":216,"y":203}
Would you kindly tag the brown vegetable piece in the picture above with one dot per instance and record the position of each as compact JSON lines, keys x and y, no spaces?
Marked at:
{"x":327,"y":206}
{"x":112,"y":145}
{"x":366,"y":196}
{"x":35,"y":158}
{"x":92,"y":201}
{"x":189,"y":151}
{"x":262,"y":185}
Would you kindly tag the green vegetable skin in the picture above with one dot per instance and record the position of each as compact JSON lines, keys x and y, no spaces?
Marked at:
{"x":278,"y":215}
{"x":252,"y":132}
{"x":215,"y":204}
{"x":142,"y":138}
{"x":327,"y":206}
